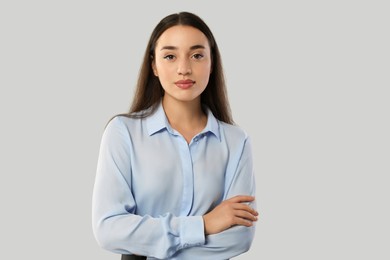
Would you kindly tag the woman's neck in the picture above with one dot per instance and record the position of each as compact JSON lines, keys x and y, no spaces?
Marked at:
{"x":186,"y":117}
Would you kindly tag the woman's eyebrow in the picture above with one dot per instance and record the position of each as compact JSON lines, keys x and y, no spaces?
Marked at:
{"x":198,"y":46}
{"x":194,"y":47}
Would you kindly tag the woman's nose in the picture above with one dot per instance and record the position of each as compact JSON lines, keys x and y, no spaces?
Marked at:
{"x":184,"y":67}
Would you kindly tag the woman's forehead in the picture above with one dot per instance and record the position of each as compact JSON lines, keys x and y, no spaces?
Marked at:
{"x":180,"y":36}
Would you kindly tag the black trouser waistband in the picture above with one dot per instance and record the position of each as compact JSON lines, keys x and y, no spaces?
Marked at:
{"x":133,"y":257}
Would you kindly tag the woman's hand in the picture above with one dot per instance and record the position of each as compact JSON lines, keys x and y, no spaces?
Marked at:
{"x":229,"y":213}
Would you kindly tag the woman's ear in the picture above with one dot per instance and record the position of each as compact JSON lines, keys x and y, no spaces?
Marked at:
{"x":154,"y":67}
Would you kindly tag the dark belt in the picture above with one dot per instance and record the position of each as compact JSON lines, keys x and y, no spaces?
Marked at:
{"x":133,"y":257}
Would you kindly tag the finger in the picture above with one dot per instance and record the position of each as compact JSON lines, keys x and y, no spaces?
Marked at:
{"x":246,"y":215}
{"x":244,"y":207}
{"x":242,"y":198}
{"x":243,"y":222}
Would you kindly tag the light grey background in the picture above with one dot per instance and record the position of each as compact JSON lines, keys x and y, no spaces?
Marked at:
{"x":308,"y":80}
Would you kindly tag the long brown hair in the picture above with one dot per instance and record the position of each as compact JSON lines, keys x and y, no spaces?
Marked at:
{"x":149,"y":91}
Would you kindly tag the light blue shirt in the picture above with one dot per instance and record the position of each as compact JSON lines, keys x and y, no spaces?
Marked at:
{"x":152,"y":188}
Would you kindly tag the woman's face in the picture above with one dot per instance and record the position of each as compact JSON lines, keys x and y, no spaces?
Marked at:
{"x":182,"y":63}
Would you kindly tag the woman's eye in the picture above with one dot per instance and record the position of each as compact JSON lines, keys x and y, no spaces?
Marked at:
{"x":197,"y":56}
{"x":169,"y":57}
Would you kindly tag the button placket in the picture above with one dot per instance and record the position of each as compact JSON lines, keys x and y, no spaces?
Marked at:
{"x":188,"y":181}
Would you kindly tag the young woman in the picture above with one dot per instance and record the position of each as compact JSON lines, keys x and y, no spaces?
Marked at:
{"x":175,"y":177}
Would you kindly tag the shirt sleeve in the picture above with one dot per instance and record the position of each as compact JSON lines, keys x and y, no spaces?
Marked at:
{"x":115,"y":226}
{"x":238,"y":239}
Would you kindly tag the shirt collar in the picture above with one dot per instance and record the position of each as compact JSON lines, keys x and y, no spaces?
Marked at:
{"x":158,"y":121}
{"x":212,"y":125}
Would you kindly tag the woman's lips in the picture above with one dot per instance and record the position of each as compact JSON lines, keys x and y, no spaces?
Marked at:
{"x":184,"y":84}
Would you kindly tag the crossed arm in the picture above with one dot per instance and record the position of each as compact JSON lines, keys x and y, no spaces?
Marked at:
{"x":222,"y":233}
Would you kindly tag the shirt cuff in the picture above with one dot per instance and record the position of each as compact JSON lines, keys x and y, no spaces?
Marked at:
{"x":192,"y":231}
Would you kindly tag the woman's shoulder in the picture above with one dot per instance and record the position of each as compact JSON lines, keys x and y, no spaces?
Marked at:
{"x":233,"y":131}
{"x":120,"y":119}
{"x":123,"y":120}
{"x":131,"y":122}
